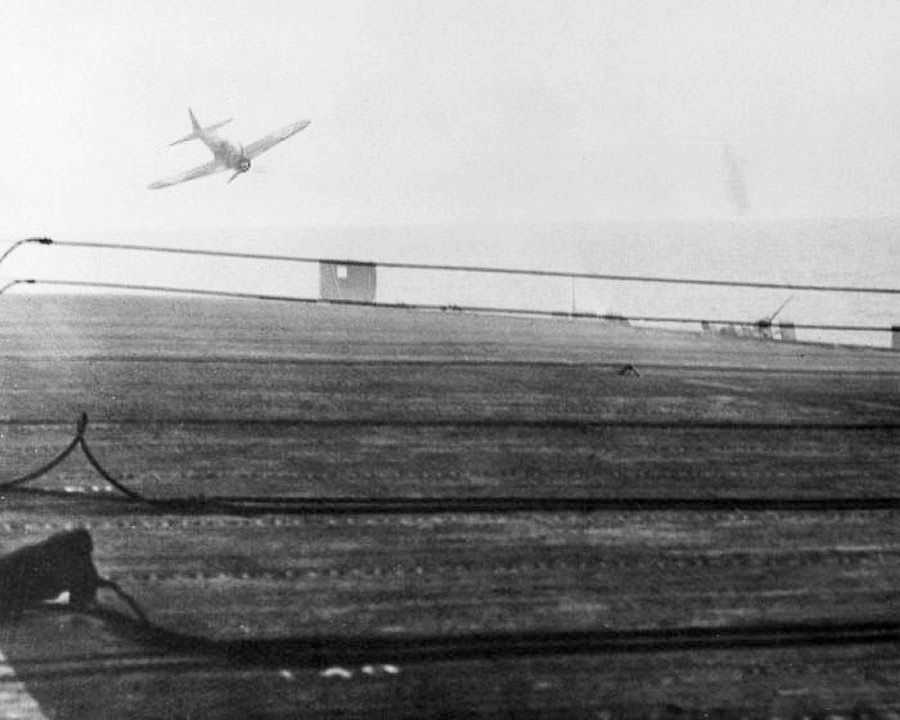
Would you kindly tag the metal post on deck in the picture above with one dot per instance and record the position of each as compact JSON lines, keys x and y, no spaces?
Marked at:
{"x":895,"y":337}
{"x":572,"y":313}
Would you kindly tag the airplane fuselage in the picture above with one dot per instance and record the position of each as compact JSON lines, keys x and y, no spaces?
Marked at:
{"x":226,"y":153}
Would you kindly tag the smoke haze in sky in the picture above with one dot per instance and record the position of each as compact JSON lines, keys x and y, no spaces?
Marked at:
{"x":474,"y":111}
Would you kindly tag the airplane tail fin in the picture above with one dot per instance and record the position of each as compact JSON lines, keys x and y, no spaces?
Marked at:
{"x":198,"y":132}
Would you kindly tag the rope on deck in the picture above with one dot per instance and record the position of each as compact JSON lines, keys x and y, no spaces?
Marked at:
{"x":252,"y":505}
{"x":174,"y":504}
{"x":320,"y":651}
{"x":47,"y":467}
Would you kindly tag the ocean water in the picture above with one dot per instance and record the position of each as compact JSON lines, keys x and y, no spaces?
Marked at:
{"x":863,"y":252}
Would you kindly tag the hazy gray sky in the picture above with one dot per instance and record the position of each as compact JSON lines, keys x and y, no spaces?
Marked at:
{"x":482,"y":110}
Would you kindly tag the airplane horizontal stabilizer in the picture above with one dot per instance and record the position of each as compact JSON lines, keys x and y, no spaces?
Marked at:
{"x":198,"y":131}
{"x":192,"y":136}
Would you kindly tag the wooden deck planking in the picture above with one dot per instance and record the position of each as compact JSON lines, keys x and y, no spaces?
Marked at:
{"x":263,"y":417}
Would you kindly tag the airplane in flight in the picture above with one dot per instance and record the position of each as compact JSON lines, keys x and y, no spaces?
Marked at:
{"x":226,"y":156}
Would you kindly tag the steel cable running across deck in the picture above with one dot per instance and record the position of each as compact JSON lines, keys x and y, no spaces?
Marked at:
{"x":249,"y":505}
{"x":478,"y":309}
{"x":455,"y":268}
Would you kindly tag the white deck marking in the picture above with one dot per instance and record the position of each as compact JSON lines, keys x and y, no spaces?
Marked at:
{"x":15,"y":701}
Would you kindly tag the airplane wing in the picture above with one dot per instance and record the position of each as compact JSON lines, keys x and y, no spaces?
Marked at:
{"x":260,"y":146}
{"x":208,"y":169}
